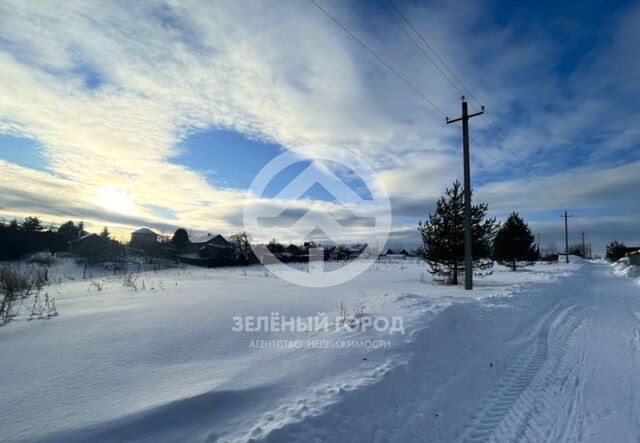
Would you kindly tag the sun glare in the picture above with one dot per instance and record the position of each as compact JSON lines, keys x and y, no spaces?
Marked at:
{"x":115,"y":200}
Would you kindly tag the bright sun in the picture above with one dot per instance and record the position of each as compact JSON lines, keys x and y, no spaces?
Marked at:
{"x":115,"y":200}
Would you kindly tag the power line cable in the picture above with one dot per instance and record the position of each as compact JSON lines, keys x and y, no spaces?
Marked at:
{"x":433,"y":62}
{"x":351,"y":34}
{"x":511,"y":147}
{"x":435,"y":53}
{"x":380,"y":59}
{"x":419,"y":47}
{"x":492,"y":124}
{"x":498,"y":131}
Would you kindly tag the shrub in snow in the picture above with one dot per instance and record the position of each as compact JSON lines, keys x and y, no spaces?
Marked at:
{"x":130,"y":281}
{"x":17,"y":285}
{"x":97,"y":285}
{"x":43,"y":307}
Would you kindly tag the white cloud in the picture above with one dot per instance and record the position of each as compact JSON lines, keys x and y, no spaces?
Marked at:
{"x":281,"y":72}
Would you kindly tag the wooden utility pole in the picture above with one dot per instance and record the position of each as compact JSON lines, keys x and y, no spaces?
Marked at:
{"x":584,"y":251}
{"x":566,"y":236}
{"x":468,"y":253}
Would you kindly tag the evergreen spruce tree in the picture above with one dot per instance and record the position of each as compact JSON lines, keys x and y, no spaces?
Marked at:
{"x":515,"y":244}
{"x":32,"y":224}
{"x":105,"y":233}
{"x":180,"y":239}
{"x":615,"y":251}
{"x":68,"y":231}
{"x":443,"y":237}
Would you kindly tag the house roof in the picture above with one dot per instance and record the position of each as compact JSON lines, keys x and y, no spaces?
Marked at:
{"x":88,"y":236}
{"x":82,"y":237}
{"x":396,"y":251}
{"x":214,"y":240}
{"x":144,"y":231}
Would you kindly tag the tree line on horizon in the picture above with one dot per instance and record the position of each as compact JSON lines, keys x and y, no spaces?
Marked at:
{"x":21,"y":237}
{"x":510,"y":243}
{"x":18,"y":238}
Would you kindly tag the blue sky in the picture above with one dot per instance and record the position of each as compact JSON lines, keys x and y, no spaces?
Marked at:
{"x":231,"y":160}
{"x":162,"y":114}
{"x":226,"y":157}
{"x":22,"y":151}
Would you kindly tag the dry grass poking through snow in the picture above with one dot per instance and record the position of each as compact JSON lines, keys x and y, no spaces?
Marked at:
{"x":16,"y":285}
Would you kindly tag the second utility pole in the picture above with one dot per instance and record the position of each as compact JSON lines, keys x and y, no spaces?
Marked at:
{"x":566,"y":236}
{"x":468,"y":239}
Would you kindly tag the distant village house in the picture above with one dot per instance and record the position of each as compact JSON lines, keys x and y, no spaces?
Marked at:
{"x":91,"y":246}
{"x":143,"y":237}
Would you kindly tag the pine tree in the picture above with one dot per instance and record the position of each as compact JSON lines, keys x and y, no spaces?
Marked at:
{"x":180,"y":239}
{"x":515,"y":244}
{"x":32,"y":224}
{"x":615,"y":251}
{"x":443,"y":237}
{"x":105,"y":234}
{"x":14,"y":225}
{"x":68,"y":231}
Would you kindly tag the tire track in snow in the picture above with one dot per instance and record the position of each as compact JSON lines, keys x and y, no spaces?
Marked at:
{"x":570,"y":426}
{"x":528,"y":396}
{"x":425,"y":400}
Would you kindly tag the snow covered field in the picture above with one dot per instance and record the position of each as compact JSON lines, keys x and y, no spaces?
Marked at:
{"x":550,"y":354}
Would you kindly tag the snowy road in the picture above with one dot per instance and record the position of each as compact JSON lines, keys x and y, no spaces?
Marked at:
{"x":553,"y":364}
{"x":578,"y":380}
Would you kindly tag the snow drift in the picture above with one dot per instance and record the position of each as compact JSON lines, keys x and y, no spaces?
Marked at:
{"x":157,"y":359}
